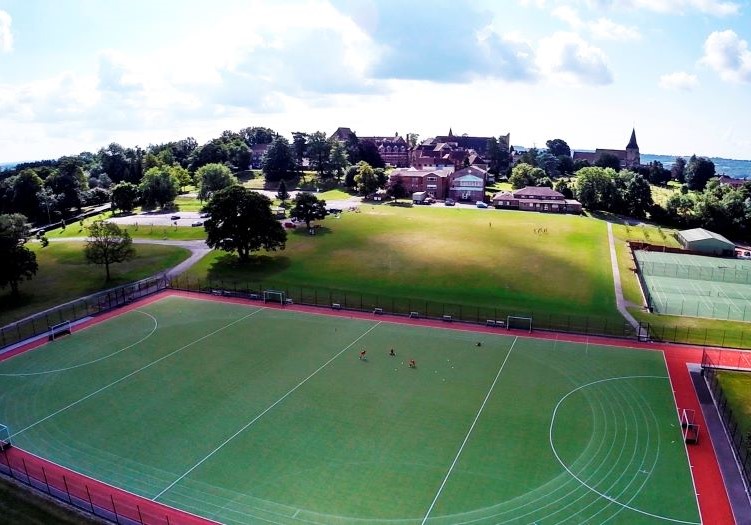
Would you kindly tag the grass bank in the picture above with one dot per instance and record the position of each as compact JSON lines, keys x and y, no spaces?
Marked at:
{"x":64,"y":275}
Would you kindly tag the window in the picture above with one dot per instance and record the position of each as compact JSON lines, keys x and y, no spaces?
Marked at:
{"x":432,"y":179}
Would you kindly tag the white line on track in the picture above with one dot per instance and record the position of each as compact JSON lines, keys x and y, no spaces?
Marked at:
{"x":131,"y":374}
{"x":43,"y":372}
{"x":259,"y":416}
{"x":469,"y":432}
{"x":584,"y":483}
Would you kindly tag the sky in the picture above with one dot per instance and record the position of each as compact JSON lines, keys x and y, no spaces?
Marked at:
{"x":76,"y":75}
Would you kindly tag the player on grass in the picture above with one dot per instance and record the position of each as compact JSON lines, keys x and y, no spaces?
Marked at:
{"x":412,"y":363}
{"x":392,"y":353}
{"x":362,"y":355}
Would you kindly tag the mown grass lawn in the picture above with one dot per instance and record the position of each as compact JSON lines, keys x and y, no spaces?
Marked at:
{"x":64,"y":275}
{"x":526,"y":262}
{"x":737,"y":388}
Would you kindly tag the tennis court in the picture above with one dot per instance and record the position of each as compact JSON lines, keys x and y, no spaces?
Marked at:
{"x":246,"y":414}
{"x":695,"y":285}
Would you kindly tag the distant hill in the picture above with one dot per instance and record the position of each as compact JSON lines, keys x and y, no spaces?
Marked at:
{"x":738,"y":169}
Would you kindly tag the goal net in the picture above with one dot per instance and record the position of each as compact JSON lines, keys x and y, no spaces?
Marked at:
{"x":4,"y":437}
{"x":689,"y":428}
{"x":275,"y":296}
{"x":519,"y":323}
{"x":59,"y":329}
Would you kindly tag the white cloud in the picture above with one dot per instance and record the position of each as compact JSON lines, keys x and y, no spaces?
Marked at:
{"x":6,"y":36}
{"x":569,"y":58}
{"x":679,"y":81}
{"x":606,"y":29}
{"x":569,"y":15}
{"x":711,"y":7}
{"x":728,"y":54}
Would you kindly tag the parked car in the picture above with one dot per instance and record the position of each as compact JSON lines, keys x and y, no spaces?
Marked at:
{"x":428,"y":200}
{"x":333,"y":211}
{"x":196,"y":223}
{"x":744,"y":254}
{"x":481,"y":204}
{"x":174,"y":218}
{"x":289,"y":224}
{"x":204,"y":216}
{"x":449,"y":202}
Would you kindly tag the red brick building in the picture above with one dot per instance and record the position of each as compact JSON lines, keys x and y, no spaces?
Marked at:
{"x":468,"y":184}
{"x":434,"y":182}
{"x":534,"y":198}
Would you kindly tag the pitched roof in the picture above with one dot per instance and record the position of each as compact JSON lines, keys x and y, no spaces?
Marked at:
{"x":700,"y":234}
{"x":632,"y":143}
{"x":619,"y":153}
{"x":342,"y":134}
{"x":471,"y":170}
{"x":537,"y":191}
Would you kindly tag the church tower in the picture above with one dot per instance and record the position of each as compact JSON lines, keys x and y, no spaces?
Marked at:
{"x":633,"y":158}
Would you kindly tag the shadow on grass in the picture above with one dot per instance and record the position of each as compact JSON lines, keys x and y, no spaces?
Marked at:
{"x":258,"y":267}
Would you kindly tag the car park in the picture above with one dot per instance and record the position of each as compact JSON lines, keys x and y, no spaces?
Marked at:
{"x":174,"y":218}
{"x":449,"y":202}
{"x":197,"y":223}
{"x":481,"y":204}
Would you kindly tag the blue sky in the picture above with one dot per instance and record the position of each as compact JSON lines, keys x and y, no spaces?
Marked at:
{"x":77,"y":75}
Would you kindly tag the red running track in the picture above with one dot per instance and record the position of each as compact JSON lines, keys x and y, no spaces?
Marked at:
{"x":712,"y":497}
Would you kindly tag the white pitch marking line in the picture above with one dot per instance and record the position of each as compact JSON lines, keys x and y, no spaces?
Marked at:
{"x":466,"y":438}
{"x":259,"y":416}
{"x":95,"y":392}
{"x":43,"y":372}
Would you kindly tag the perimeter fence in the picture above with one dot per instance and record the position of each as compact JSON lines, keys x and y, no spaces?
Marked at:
{"x":89,"y":495}
{"x":712,"y":363}
{"x":404,"y":306}
{"x":78,"y":309}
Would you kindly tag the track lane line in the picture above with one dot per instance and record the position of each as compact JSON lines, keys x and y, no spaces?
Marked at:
{"x":259,"y":416}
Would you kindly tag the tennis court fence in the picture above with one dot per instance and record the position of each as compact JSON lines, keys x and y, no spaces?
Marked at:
{"x":713,"y":362}
{"x":78,"y":309}
{"x":715,"y":274}
{"x":89,"y":495}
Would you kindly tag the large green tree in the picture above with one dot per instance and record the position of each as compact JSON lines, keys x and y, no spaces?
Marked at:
{"x":365,"y":179}
{"x":698,"y":172}
{"x":319,"y":150}
{"x":338,"y":159}
{"x":558,"y":147}
{"x":594,"y":186}
{"x":124,"y":196}
{"x":212,"y":178}
{"x":108,"y":244}
{"x":26,"y":188}
{"x":158,"y":188}
{"x":241,"y":221}
{"x":524,"y":174}
{"x":17,"y":262}
{"x":279,"y":162}
{"x":307,"y":207}
{"x":608,"y":160}
{"x":637,"y":196}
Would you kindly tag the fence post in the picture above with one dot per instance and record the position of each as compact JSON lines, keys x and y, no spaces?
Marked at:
{"x":44,"y":475}
{"x":67,"y":490}
{"x":140,"y":518}
{"x":114,"y":509}
{"x":88,"y":495}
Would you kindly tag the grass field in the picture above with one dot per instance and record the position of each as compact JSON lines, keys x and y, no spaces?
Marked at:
{"x":184,"y":233}
{"x":737,"y":388}
{"x":240,"y":413}
{"x":484,"y":258}
{"x":64,"y":275}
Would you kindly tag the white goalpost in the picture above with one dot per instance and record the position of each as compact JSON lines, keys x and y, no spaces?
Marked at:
{"x":4,"y":437}
{"x":59,"y":329}
{"x":519,"y":323}
{"x":275,"y":296}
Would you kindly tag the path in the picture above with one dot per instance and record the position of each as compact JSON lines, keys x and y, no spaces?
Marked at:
{"x":620,"y":302}
{"x":197,"y":250}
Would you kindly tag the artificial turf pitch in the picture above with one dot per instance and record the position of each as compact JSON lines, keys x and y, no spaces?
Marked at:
{"x":259,"y":415}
